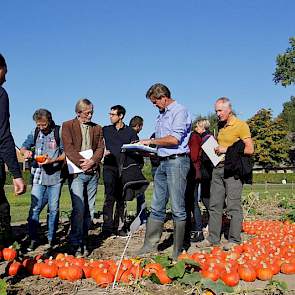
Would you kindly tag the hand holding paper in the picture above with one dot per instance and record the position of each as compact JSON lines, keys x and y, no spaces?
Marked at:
{"x":209,"y":147}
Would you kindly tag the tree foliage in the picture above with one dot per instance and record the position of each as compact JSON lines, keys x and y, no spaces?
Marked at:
{"x":285,"y":69}
{"x":288,"y":114}
{"x":269,"y":136}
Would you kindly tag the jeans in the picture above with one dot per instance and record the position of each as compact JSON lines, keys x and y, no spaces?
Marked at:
{"x":113,"y":194}
{"x":232,"y":189}
{"x":83,"y":189}
{"x":40,"y":196}
{"x":170,"y":181}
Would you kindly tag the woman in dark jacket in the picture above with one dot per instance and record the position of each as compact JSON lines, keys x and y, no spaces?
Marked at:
{"x":199,"y":176}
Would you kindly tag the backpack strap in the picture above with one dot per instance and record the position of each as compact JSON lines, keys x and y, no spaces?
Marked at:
{"x":37,"y":130}
{"x":56,"y":134}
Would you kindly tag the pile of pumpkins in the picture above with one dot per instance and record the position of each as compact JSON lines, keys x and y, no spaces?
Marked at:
{"x":270,"y":251}
{"x":68,"y":267}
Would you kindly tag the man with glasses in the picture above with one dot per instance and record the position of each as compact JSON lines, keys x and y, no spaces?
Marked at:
{"x":81,"y":135}
{"x":173,"y":127}
{"x":115,"y":135}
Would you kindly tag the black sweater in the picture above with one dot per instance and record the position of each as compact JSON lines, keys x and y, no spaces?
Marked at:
{"x":237,"y":164}
{"x":7,"y":146}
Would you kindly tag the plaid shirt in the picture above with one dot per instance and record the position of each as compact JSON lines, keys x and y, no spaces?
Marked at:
{"x":45,"y":144}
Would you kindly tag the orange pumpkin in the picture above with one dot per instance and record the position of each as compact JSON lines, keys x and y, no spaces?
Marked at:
{"x":9,"y":254}
{"x":13,"y":268}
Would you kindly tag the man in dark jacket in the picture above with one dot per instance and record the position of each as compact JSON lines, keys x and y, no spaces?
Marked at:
{"x":115,"y":135}
{"x":8,"y":156}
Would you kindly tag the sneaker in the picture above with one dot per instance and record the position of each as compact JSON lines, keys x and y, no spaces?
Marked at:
{"x":205,"y":244}
{"x":197,"y":236}
{"x":229,"y":245}
{"x":33,"y":245}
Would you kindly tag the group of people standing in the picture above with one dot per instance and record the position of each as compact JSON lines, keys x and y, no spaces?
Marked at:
{"x":181,"y":166}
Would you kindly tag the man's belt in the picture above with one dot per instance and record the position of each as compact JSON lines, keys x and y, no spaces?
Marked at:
{"x":173,"y":156}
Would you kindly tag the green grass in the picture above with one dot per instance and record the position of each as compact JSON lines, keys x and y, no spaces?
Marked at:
{"x":20,"y":204}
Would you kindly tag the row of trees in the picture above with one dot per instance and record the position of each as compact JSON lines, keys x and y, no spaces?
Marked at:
{"x":274,"y":138}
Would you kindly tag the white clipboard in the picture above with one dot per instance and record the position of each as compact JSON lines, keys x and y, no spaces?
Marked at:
{"x":87,"y":154}
{"x":208,"y":147}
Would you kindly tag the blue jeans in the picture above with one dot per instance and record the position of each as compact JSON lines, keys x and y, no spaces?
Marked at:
{"x":40,"y":196}
{"x":170,"y":181}
{"x":83,"y":188}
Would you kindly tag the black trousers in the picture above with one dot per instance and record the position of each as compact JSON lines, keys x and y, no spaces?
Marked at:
{"x":5,"y":228}
{"x":113,"y":221}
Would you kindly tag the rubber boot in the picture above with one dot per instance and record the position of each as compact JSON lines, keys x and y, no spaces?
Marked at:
{"x":178,"y":237}
{"x":152,"y":237}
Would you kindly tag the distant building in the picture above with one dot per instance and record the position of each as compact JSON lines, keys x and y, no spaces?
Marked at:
{"x":23,"y":163}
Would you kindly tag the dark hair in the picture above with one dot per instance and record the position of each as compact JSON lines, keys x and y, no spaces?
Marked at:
{"x":158,"y":90}
{"x":120,"y":110}
{"x":41,"y":113}
{"x":136,"y":120}
{"x":2,"y":62}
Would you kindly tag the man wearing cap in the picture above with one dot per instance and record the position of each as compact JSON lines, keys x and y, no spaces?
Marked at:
{"x":173,"y":127}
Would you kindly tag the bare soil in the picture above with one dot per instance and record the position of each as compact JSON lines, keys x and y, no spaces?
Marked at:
{"x":112,"y":248}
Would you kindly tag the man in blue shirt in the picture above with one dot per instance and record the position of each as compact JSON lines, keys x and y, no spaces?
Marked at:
{"x":173,"y":127}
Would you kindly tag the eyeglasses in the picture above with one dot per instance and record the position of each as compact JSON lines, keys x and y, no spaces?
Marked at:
{"x":88,"y":113}
{"x":113,"y":114}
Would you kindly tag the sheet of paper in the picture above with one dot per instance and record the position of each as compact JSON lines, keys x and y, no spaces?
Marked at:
{"x":138,"y":147}
{"x":208,"y":147}
{"x":87,"y":154}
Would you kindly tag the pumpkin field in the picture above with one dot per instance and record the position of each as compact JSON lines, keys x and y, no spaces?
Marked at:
{"x":263,"y":264}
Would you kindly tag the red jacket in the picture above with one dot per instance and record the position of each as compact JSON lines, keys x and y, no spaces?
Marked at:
{"x":195,"y":152}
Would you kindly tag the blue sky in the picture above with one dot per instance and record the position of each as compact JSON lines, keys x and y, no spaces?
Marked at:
{"x":113,"y":51}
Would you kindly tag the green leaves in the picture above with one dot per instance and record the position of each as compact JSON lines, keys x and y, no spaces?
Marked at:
{"x":217,"y":287}
{"x":176,"y":271}
{"x":285,"y":69}
{"x":190,"y":278}
{"x":165,"y":261}
{"x":3,"y":287}
{"x":269,"y":136}
{"x":155,"y":279}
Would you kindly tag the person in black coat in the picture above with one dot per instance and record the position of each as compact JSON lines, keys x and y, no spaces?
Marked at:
{"x":7,"y":156}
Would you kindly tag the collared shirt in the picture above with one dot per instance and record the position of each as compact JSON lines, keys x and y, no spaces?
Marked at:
{"x":114,"y":139}
{"x":86,"y":145}
{"x":175,"y":121}
{"x":232,"y":131}
{"x":45,"y":144}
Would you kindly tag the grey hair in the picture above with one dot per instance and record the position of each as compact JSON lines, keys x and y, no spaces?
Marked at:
{"x":81,"y":104}
{"x":43,"y":113}
{"x":224,"y":100}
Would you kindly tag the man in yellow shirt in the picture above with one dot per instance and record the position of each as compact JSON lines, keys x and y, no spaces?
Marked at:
{"x":232,"y":130}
